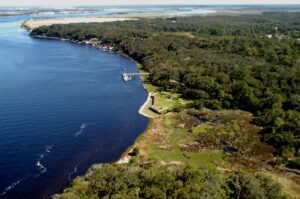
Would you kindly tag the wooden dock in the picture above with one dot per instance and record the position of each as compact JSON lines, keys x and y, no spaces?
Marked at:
{"x":128,"y":76}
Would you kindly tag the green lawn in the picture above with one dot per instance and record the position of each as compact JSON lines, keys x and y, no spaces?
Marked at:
{"x":177,"y":136}
{"x":164,"y":100}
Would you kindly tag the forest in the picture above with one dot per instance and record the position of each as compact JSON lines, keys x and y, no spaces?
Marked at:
{"x":248,"y":62}
{"x":153,"y":181}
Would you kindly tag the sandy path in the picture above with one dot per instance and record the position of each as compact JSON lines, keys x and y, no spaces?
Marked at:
{"x":141,"y":111}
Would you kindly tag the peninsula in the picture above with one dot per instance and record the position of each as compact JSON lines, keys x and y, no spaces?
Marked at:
{"x":35,"y":23}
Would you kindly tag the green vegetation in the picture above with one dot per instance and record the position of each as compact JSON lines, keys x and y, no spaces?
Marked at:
{"x":229,"y":142}
{"x":245,"y":62}
{"x":151,"y":180}
{"x":134,"y":152}
{"x":166,"y":146}
{"x":169,"y":161}
{"x":217,"y":64}
{"x":164,"y":101}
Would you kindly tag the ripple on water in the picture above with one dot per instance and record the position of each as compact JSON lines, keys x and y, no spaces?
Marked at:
{"x":47,"y":103}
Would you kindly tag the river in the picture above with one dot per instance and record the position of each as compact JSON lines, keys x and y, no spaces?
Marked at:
{"x":63,"y":107}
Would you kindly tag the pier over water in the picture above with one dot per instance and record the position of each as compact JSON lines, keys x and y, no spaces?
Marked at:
{"x":128,"y":76}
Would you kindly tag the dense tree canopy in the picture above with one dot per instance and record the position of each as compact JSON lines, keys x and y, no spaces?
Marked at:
{"x":249,"y":62}
{"x":155,"y":181}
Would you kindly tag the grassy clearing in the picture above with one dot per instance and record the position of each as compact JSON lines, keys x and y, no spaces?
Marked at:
{"x":189,"y":35}
{"x":143,"y":15}
{"x":148,"y":111}
{"x":162,"y":142}
{"x":287,"y":180}
{"x":164,"y":101}
{"x":177,"y":138}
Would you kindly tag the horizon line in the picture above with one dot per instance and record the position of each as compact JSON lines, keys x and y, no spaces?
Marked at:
{"x":212,"y":4}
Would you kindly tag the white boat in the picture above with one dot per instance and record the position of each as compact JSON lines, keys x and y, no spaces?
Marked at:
{"x":126,"y":77}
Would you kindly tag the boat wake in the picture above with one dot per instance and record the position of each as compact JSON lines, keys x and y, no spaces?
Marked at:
{"x":13,"y":185}
{"x":41,"y":168}
{"x":72,"y":173}
{"x":48,"y":148}
{"x":7,"y":189}
{"x":81,"y":130}
{"x":83,"y":127}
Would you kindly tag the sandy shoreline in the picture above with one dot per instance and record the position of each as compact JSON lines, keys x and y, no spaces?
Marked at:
{"x":38,"y":22}
{"x":141,"y":110}
{"x":35,"y":23}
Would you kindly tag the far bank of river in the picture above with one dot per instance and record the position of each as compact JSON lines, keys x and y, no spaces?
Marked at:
{"x":35,"y":23}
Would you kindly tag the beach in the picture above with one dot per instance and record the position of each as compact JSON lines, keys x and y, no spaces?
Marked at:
{"x":35,"y":23}
{"x":143,"y":107}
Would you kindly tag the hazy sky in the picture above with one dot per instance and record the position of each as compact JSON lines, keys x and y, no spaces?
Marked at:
{"x":126,"y":2}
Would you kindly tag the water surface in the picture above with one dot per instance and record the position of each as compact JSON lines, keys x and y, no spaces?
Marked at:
{"x":63,"y":107}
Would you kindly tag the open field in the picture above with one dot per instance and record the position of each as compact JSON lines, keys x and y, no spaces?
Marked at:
{"x":167,"y":148}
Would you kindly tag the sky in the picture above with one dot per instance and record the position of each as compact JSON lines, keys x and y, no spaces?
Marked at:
{"x":136,"y":2}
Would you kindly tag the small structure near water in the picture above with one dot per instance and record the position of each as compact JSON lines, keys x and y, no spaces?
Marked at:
{"x":128,"y":76}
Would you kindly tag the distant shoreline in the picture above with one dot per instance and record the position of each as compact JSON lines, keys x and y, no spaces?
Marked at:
{"x":31,"y":24}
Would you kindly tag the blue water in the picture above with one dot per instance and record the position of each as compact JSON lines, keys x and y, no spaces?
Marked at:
{"x":63,"y":107}
{"x":107,"y":10}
